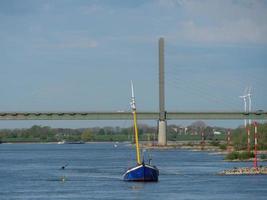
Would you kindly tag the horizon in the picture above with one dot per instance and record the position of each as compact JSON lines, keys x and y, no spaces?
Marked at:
{"x":189,"y":124}
{"x":232,"y":124}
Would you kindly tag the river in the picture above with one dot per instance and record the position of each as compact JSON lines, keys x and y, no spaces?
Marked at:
{"x":94,"y":171}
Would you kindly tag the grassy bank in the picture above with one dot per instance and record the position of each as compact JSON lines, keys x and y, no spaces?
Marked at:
{"x":243,"y":156}
{"x":235,"y":155}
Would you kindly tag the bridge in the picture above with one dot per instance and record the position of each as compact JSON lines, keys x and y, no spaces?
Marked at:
{"x":128,"y":115}
{"x":162,"y":116}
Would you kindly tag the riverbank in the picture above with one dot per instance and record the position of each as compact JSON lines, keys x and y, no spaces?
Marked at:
{"x":245,"y":171}
{"x":196,"y":146}
{"x":246,"y":160}
{"x":187,"y":145}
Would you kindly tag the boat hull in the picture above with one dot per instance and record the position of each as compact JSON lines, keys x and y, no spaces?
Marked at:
{"x":142,"y":173}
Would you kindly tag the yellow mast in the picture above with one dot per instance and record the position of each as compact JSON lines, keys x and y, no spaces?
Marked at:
{"x":135,"y":126}
{"x":136,"y":138}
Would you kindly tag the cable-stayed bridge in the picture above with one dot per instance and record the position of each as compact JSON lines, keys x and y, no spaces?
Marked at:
{"x":162,"y":116}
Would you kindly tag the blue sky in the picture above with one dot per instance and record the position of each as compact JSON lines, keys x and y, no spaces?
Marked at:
{"x":77,"y":55}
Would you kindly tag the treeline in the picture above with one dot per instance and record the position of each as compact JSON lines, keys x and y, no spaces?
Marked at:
{"x":48,"y":134}
{"x":146,"y":133}
{"x":239,"y":137}
{"x":215,"y":135}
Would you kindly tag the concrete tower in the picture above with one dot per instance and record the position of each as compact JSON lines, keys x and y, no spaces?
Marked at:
{"x":162,"y":124}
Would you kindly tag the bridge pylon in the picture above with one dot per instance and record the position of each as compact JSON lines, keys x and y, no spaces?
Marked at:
{"x":162,"y":123}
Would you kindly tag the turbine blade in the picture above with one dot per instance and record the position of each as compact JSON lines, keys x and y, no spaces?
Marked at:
{"x":245,"y":91}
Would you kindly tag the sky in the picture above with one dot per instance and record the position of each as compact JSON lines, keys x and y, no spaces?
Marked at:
{"x":76,"y":55}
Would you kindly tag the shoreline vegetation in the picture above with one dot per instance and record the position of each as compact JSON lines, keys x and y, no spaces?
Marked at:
{"x":196,"y":137}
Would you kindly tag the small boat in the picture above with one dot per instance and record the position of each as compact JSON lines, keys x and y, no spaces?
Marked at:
{"x":70,"y":142}
{"x":62,"y":142}
{"x":141,"y":172}
{"x":75,"y":142}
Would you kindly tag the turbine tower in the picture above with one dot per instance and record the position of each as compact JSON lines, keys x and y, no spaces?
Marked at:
{"x":247,"y":107}
{"x":244,"y":97}
{"x":249,"y":102}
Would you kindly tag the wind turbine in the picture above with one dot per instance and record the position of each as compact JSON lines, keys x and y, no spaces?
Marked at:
{"x":247,"y":95}
{"x":244,"y":97}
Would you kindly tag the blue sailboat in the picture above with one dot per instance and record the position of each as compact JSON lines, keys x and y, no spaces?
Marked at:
{"x":141,"y":172}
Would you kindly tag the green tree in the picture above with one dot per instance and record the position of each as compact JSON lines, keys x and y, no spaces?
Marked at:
{"x":87,"y":135}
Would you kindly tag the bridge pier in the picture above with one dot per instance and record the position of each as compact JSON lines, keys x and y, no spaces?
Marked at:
{"x":162,"y":132}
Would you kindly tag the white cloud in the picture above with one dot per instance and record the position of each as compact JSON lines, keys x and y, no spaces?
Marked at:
{"x":215,"y":21}
{"x":242,"y":31}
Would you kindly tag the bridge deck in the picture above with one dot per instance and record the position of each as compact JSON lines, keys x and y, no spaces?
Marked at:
{"x":128,"y":115}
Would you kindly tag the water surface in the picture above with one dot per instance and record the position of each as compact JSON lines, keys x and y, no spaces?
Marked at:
{"x":94,"y":171}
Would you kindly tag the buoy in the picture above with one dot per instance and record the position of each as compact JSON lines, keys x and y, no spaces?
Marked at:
{"x":64,"y":166}
{"x":63,"y":178}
